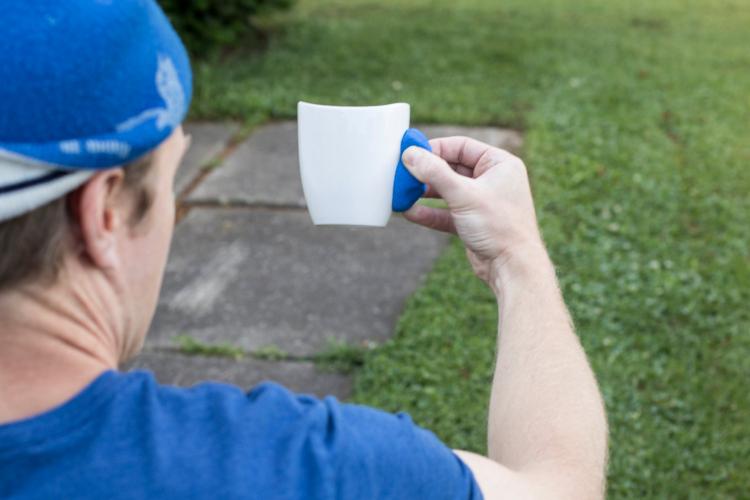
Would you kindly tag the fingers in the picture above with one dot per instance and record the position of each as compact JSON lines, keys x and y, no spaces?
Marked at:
{"x":434,"y":171}
{"x":431,"y":193}
{"x":465,"y":151}
{"x":465,"y":171}
{"x":434,"y":218}
{"x":461,"y":170}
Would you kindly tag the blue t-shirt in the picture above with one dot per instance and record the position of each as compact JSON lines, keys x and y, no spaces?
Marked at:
{"x":126,"y":436}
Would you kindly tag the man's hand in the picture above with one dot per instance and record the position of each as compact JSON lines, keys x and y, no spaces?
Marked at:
{"x":547,"y":432}
{"x":488,"y":197}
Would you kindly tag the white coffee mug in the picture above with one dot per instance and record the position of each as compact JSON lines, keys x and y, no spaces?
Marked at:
{"x":348,"y":157}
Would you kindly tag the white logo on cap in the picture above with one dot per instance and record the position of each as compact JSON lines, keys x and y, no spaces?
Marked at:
{"x":170,"y":89}
{"x":108,"y":146}
{"x":70,"y":147}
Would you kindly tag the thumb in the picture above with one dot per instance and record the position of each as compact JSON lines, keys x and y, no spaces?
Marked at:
{"x":433,"y":170}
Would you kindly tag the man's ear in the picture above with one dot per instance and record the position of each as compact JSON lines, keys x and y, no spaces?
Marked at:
{"x":98,"y":212}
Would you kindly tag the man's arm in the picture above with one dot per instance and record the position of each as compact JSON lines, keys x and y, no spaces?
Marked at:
{"x":546,"y":419}
{"x":547,"y":429}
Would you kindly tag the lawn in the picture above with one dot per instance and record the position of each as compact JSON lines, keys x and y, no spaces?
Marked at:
{"x":637,"y":122}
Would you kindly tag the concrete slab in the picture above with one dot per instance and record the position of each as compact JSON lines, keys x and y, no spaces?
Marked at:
{"x":498,"y":137}
{"x":264,"y":170}
{"x":208,"y":141}
{"x":300,"y":377}
{"x":255,"y":278}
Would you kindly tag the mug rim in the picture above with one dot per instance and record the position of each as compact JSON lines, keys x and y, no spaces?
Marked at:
{"x":301,"y":104}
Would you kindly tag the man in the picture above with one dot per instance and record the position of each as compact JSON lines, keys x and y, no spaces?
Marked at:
{"x":92,"y":94}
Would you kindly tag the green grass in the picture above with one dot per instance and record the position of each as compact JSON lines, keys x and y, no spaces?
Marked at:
{"x":272,"y":353}
{"x":337,"y":356}
{"x":341,"y":357}
{"x":194,"y":347}
{"x":637,"y":123}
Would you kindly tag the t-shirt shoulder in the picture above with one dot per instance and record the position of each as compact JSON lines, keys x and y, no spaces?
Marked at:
{"x":340,"y":450}
{"x":126,"y":436}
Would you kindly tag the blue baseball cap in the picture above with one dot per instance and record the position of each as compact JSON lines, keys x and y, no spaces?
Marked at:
{"x":85,"y":85}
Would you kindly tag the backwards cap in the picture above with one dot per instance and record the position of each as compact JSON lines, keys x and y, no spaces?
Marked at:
{"x":84,"y":85}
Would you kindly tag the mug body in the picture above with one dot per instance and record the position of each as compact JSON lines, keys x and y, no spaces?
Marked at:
{"x":348,"y":157}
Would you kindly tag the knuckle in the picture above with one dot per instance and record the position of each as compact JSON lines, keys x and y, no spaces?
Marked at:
{"x":516,"y":164}
{"x":503,"y":156}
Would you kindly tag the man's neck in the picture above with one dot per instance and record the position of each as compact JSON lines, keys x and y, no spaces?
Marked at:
{"x":52,"y":346}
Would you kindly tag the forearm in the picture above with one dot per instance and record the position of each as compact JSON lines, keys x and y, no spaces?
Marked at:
{"x":546,"y":415}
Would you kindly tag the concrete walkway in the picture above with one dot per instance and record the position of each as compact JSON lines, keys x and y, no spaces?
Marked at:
{"x":251,"y":281}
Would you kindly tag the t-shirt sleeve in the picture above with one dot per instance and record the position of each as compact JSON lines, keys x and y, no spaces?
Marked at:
{"x":366,"y":453}
{"x":381,"y":455}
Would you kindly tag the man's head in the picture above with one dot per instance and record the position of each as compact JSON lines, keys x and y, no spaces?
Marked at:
{"x":91,"y":103}
{"x":111,"y":236}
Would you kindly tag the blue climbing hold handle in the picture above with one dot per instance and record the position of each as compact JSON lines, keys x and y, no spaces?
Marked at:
{"x":407,"y":189}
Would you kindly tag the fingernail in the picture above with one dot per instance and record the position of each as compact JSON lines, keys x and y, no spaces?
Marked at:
{"x":412,"y":155}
